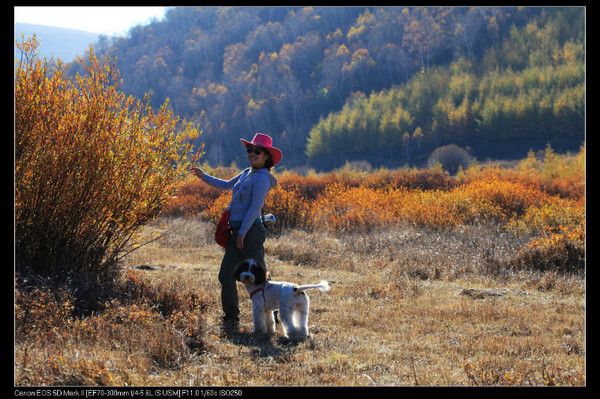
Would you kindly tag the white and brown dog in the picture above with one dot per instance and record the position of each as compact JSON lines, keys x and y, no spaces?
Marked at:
{"x":268,"y":296}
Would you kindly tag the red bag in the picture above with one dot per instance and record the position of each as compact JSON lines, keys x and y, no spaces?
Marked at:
{"x":223,"y":232}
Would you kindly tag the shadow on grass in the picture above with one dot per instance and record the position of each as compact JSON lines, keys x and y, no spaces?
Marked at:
{"x":278,"y":348}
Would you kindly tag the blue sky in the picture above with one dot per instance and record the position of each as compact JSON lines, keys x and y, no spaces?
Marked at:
{"x":113,"y":21}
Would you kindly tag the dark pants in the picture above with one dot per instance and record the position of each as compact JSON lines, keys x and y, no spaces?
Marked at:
{"x":253,"y":248}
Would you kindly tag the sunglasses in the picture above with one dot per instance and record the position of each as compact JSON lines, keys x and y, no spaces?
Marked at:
{"x":256,"y":150}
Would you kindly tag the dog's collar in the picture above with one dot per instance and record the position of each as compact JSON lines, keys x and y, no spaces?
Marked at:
{"x":259,"y":289}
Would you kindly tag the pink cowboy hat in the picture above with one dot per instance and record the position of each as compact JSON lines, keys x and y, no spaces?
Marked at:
{"x":265,"y":141}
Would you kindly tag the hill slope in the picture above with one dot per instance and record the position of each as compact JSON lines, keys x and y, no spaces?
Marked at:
{"x":279,"y":69}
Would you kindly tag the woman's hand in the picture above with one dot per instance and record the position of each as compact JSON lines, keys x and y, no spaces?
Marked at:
{"x":197,"y":171}
{"x":239,"y":242}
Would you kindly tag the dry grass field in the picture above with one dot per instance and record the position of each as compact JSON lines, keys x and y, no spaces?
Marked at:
{"x":409,"y":306}
{"x":437,"y":280}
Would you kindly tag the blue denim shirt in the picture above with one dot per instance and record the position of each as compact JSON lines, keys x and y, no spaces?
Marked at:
{"x":250,"y":189}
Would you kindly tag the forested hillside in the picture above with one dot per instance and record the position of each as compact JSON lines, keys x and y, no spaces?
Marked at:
{"x":281,"y":70}
{"x":525,"y":92}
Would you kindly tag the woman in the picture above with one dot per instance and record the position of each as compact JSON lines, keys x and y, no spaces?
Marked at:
{"x":250,"y":189}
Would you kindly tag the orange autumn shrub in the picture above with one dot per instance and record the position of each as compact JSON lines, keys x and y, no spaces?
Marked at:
{"x":288,"y":201}
{"x":92,"y":165}
{"x":222,"y":172}
{"x":340,"y":207}
{"x":192,"y":196}
{"x":290,"y":207}
{"x":572,"y":187}
{"x":508,"y":198}
{"x":349,"y":209}
{"x":574,"y":234}
{"x":185,"y":206}
{"x":291,"y":210}
{"x":307,"y":187}
{"x":215,"y":210}
{"x":424,"y":208}
{"x":360,"y":208}
{"x":562,"y":176}
{"x":562,"y":251}
{"x":550,"y":217}
{"x":412,"y":178}
{"x":350,"y":199}
{"x":364,"y":209}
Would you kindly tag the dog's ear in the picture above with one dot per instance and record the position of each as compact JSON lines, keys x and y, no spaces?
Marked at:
{"x":261,"y":265}
{"x":264,"y":269}
{"x":260,"y":273}
{"x":239,"y":269}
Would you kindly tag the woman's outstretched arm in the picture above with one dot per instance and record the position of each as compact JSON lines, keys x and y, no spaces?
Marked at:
{"x":215,"y":181}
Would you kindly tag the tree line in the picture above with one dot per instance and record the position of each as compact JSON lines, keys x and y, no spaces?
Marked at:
{"x":279,"y":70}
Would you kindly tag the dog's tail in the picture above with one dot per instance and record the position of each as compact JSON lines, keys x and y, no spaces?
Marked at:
{"x":323,"y":286}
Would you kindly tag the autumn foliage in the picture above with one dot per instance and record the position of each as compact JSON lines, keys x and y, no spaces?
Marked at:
{"x":540,"y":198}
{"x":91,"y":166}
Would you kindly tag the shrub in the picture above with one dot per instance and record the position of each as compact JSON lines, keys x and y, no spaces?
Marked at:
{"x":524,"y":200}
{"x":40,"y":312}
{"x":149,"y":326}
{"x":91,"y":166}
{"x":214,"y":211}
{"x":424,"y":179}
{"x":308,"y":187}
{"x":562,"y":252}
{"x":562,"y":175}
{"x":192,"y":196}
{"x":348,"y":209}
{"x":451,"y":157}
{"x":184,"y":310}
{"x":511,"y":199}
{"x":290,"y":207}
{"x":549,"y":218}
